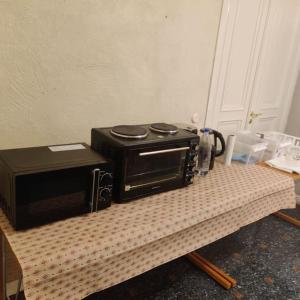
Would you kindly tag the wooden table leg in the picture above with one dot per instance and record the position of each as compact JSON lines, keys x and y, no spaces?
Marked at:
{"x":1,"y":268}
{"x":287,"y":218}
{"x":213,"y":271}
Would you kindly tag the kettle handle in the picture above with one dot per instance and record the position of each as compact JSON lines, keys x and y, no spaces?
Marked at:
{"x":218,"y":135}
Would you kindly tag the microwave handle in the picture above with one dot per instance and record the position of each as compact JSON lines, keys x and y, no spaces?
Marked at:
{"x":164,"y":151}
{"x":95,"y":172}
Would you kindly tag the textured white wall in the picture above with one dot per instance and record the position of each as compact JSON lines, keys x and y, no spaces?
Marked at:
{"x":69,"y":65}
{"x":293,"y":124}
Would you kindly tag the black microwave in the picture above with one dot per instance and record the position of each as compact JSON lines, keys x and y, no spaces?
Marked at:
{"x":43,"y":184}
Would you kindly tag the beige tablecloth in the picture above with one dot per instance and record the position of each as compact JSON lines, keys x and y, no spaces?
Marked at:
{"x":76,"y":257}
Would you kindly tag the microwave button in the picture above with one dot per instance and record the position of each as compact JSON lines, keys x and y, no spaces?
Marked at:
{"x":104,"y":198}
{"x":105,"y":194}
{"x":106,"y":179}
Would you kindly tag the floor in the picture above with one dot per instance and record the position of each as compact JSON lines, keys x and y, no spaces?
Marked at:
{"x":264,"y":257}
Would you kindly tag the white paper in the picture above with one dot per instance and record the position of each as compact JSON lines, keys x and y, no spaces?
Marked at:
{"x":291,"y":166}
{"x":66,"y":147}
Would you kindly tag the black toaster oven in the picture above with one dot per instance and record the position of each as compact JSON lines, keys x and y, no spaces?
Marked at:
{"x":44,"y":184}
{"x":148,"y":159}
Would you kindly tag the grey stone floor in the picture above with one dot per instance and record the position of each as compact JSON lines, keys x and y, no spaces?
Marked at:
{"x":263,"y":257}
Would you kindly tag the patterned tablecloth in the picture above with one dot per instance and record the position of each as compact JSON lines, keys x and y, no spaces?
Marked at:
{"x":73,"y":258}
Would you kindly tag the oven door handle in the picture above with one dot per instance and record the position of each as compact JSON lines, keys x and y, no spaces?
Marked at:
{"x":163,"y":151}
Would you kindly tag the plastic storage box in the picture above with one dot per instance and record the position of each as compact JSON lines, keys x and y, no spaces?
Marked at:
{"x":249,"y":148}
{"x":279,"y":144}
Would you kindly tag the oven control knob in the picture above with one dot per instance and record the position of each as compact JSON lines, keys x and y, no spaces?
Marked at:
{"x":195,"y":147}
{"x":189,"y":177}
{"x":106,"y":179}
{"x":191,"y":164}
{"x":192,"y":168}
{"x":192,"y":156}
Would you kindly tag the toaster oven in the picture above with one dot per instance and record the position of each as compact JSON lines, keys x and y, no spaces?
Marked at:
{"x":153,"y":162}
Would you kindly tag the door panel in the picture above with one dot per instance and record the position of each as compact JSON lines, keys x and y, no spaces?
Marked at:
{"x":234,"y":64}
{"x":256,"y":64}
{"x":277,"y":58}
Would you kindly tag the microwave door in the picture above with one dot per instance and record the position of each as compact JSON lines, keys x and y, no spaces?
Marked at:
{"x":150,"y":170}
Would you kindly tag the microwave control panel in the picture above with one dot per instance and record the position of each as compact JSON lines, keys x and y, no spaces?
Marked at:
{"x":101,"y":189}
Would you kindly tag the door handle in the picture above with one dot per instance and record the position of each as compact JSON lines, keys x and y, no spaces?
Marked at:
{"x":253,"y":116}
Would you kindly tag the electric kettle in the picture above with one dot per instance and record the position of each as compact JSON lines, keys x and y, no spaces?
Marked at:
{"x":215,"y":152}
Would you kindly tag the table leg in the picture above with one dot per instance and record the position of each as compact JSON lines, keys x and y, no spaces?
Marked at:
{"x":287,"y":218}
{"x":4,"y":294}
{"x":19,"y":286}
{"x":213,"y":271}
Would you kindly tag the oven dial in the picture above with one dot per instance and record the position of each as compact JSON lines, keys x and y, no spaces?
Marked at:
{"x":193,"y":156}
{"x":189,"y":177}
{"x":192,"y":168}
{"x":195,"y":147}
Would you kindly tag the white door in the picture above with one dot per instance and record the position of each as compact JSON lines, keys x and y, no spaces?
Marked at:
{"x":247,"y":75}
{"x":275,"y":74}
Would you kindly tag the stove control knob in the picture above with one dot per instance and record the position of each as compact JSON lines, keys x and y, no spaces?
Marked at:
{"x":195,"y":147}
{"x":192,"y":156}
{"x":106,"y":179}
{"x":189,"y":177}
{"x":191,"y":168}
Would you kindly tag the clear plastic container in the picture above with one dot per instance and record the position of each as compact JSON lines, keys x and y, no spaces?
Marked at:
{"x":279,"y":144}
{"x":248,"y":148}
{"x":297,"y":189}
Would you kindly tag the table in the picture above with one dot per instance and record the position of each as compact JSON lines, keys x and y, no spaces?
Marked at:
{"x":291,"y":175}
{"x":278,"y":214}
{"x":76,"y":257}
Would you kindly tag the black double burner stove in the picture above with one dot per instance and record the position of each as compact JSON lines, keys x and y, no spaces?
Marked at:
{"x":141,"y":132}
{"x":147,"y":158}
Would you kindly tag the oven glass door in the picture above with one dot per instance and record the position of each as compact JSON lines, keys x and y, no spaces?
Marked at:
{"x":155,"y":168}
